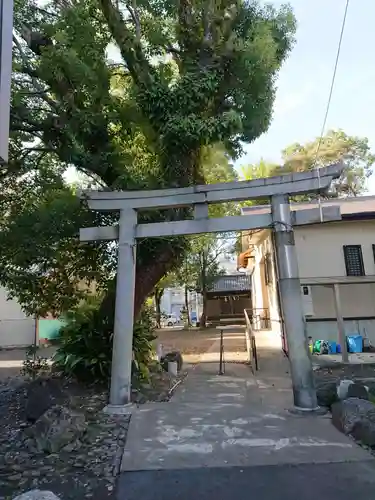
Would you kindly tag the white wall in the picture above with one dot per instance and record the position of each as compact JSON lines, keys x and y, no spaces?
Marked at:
{"x":327,"y":330}
{"x":320,"y":255}
{"x":16,"y":329}
{"x":357,"y":300}
{"x":265,"y":297}
{"x":320,"y":247}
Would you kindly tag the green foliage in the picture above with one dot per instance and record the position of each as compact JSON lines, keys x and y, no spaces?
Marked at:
{"x":86,"y":348}
{"x":258,"y":170}
{"x":190,"y":77}
{"x":335,"y":146}
{"x":201,"y":265}
{"x":34,"y":365}
{"x":142,"y":343}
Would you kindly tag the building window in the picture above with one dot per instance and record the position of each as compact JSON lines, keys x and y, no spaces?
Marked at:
{"x":354,"y":260}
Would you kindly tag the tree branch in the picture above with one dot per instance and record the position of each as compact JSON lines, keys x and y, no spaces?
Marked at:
{"x":206,"y":21}
{"x":130,"y":49}
{"x":134,"y":15}
{"x":33,"y":76}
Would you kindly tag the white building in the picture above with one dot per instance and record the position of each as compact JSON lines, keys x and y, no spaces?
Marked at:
{"x":16,"y":329}
{"x":341,"y":253}
{"x":173,"y":302}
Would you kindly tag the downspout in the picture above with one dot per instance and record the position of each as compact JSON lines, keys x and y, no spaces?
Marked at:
{"x":282,"y":324}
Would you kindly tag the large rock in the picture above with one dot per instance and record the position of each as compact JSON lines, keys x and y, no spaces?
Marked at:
{"x":343,"y":387}
{"x":358,"y":390}
{"x":37,"y":495}
{"x":327,"y":394}
{"x":58,"y":427}
{"x":364,"y":431}
{"x":42,"y":394}
{"x":349,"y":413}
{"x":370,"y":384}
{"x":38,"y":400}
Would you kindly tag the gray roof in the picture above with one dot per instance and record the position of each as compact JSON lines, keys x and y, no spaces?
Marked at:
{"x":348,"y":206}
{"x":232,"y":283}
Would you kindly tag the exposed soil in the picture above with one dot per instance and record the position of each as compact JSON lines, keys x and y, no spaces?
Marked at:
{"x":188,"y":342}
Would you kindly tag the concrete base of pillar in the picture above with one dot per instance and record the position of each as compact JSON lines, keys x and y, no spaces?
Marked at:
{"x":119,"y":409}
{"x":296,"y":410}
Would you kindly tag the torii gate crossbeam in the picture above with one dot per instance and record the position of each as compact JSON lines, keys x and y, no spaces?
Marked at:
{"x":278,"y":189}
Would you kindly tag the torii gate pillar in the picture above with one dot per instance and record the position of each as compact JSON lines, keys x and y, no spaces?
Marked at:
{"x":291,"y":305}
{"x":122,"y":354}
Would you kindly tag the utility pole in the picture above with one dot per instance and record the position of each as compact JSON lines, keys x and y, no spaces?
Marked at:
{"x":291,"y":304}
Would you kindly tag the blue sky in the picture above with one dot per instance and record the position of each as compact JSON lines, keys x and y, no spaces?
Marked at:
{"x":304,"y":81}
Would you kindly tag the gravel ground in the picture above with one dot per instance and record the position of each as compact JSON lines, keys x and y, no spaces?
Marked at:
{"x":87,"y":472}
{"x":356,"y":372}
{"x":90,"y":471}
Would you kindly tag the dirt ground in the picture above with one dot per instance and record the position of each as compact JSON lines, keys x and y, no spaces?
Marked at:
{"x":191,"y":343}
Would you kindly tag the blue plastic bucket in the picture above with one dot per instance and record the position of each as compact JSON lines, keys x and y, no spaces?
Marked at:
{"x":355,"y":343}
{"x":332,"y":347}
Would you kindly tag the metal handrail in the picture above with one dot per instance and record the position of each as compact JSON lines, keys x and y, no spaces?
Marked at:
{"x":251,"y":346}
{"x":260,"y":319}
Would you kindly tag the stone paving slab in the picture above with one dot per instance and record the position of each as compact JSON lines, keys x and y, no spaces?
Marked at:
{"x":230,"y":432}
{"x":236,"y":419}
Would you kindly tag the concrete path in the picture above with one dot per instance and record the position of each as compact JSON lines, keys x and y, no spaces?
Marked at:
{"x":234,"y":427}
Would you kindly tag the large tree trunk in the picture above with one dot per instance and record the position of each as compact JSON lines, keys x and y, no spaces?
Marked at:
{"x":158,"y":296}
{"x":149,"y":273}
{"x":187,"y":306}
{"x":204,"y":289}
{"x":147,"y":276}
{"x":203,"y":321}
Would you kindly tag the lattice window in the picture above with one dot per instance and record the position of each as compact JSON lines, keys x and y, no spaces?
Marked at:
{"x":354,"y":260}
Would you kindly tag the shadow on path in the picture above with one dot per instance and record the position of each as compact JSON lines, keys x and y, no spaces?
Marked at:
{"x":233,"y":436}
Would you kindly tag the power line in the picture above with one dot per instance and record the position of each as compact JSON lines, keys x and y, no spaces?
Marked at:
{"x":333,"y":79}
{"x":343,"y":24}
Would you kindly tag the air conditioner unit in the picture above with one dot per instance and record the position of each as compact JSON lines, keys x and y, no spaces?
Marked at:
{"x":307,"y":301}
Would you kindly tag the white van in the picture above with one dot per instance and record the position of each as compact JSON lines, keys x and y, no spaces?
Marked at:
{"x":169,"y":320}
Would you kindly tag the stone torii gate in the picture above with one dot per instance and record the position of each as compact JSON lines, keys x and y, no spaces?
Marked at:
{"x":281,"y":219}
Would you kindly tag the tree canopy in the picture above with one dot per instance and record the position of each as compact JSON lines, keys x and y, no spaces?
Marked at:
{"x":335,"y":146}
{"x":193,"y":78}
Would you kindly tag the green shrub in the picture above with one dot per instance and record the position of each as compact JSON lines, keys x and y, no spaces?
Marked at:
{"x":86,"y":344}
{"x":34,"y":365}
